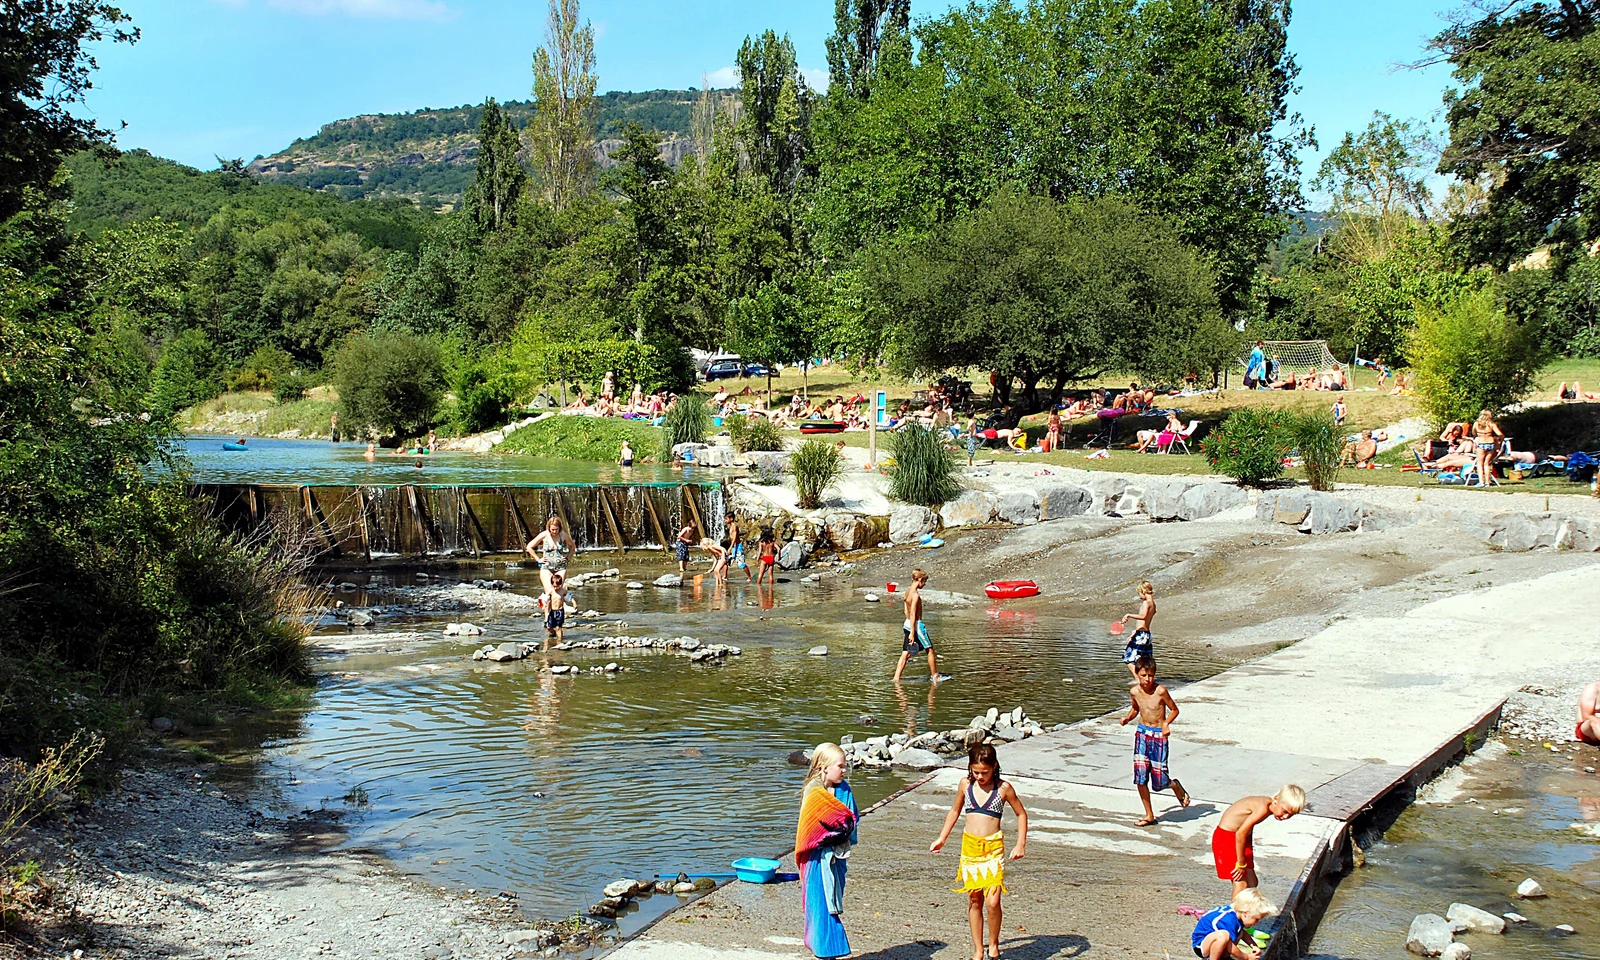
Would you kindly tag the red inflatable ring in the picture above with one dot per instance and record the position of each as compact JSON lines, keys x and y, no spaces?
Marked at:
{"x":822,"y":426}
{"x":1012,"y":589}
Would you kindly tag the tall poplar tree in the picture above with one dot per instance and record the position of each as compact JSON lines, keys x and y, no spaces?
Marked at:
{"x":775,"y":129}
{"x":500,"y":177}
{"x":562,"y":130}
{"x":861,"y":28}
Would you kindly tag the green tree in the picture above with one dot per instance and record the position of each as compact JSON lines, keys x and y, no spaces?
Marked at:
{"x":861,"y":28}
{"x":562,"y":129}
{"x":389,"y":383}
{"x":772,"y":327}
{"x":1379,"y":173}
{"x":775,"y":126}
{"x":47,"y":71}
{"x":185,"y":375}
{"x":1523,"y":121}
{"x":1468,"y":355}
{"x":499,"y":179}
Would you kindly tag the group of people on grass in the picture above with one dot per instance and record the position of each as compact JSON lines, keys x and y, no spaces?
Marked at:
{"x":829,"y":819}
{"x":1473,"y":449}
{"x":607,"y":402}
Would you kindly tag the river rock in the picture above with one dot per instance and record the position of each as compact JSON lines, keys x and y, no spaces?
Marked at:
{"x":635,"y":585}
{"x":849,"y":531}
{"x":1456,"y":951}
{"x":611,"y":573}
{"x":1429,"y":935}
{"x":1529,"y":889}
{"x":1475,"y":920}
{"x":664,"y":886}
{"x":1058,"y":500}
{"x":667,"y":580}
{"x":716,"y":456}
{"x":909,"y":523}
{"x":916,"y":758}
{"x":969,"y":508}
{"x":973,"y":738}
{"x":506,"y":651}
{"x":1105,"y":493}
{"x":161,"y":725}
{"x":792,"y":556}
{"x":359,"y":618}
{"x":1562,"y":930}
{"x":1208,"y":499}
{"x":871,"y":598}
{"x":470,"y":630}
{"x":605,"y":908}
{"x":1513,"y":917}
{"x":619,"y":888}
{"x":817,"y":652}
{"x":1017,"y":506}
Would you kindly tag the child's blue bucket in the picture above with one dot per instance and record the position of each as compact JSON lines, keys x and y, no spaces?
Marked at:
{"x":755,"y":869}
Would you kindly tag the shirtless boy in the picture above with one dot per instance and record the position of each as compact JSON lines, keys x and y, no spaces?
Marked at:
{"x":1155,"y":709}
{"x":1233,"y":842}
{"x":1140,"y":644}
{"x":915,"y":630}
{"x":1588,"y":723}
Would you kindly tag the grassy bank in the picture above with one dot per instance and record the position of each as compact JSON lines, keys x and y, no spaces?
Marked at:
{"x":584,"y":438}
{"x":257,"y":414}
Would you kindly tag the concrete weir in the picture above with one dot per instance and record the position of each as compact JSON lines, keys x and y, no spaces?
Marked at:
{"x":1359,"y":715}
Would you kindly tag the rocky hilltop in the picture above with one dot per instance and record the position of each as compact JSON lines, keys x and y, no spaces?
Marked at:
{"x":428,"y":156}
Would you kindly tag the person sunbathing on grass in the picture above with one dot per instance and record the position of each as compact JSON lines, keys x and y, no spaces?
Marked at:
{"x":1574,"y":391}
{"x":1360,"y":452}
{"x":1287,"y":383}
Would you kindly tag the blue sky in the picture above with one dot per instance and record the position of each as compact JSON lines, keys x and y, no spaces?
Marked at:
{"x":245,"y":77}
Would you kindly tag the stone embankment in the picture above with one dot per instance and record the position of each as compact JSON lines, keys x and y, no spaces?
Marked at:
{"x":859,"y":515}
{"x":931,"y":750}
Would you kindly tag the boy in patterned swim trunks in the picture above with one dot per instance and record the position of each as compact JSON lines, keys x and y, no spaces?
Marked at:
{"x":1155,"y":709}
{"x":1140,"y":644}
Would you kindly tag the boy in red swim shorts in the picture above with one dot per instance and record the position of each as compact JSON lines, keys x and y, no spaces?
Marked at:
{"x":1233,"y":842}
{"x":1588,"y":723}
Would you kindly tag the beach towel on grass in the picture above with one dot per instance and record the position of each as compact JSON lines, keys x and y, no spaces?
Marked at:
{"x":828,"y":821}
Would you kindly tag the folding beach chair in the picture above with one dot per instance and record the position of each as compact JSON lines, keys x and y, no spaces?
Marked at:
{"x":1181,"y":439}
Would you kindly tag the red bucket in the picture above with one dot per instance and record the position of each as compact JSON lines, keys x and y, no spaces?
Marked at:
{"x":890,"y":586}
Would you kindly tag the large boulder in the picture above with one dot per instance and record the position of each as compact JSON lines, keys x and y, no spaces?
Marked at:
{"x":1130,"y":504}
{"x":1474,"y":919}
{"x":1329,"y":514}
{"x":1105,"y":492}
{"x":1163,"y":499}
{"x":792,"y":556}
{"x":715,"y":456}
{"x":969,"y":508}
{"x":690,"y":451}
{"x":849,"y":531}
{"x":1429,"y":935}
{"x":1285,"y":506}
{"x":1058,"y":499}
{"x":909,"y":523}
{"x":1017,"y":506}
{"x":1519,"y":532}
{"x":916,"y":758}
{"x":1584,"y":534}
{"x":1207,"y":499}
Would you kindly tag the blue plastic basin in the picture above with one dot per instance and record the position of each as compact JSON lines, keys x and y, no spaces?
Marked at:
{"x":755,"y":869}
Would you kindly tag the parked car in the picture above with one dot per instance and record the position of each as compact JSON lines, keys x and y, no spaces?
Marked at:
{"x":724,"y":369}
{"x":754,"y":369}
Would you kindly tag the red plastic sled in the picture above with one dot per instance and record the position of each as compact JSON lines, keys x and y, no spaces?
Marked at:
{"x":1011,"y":589}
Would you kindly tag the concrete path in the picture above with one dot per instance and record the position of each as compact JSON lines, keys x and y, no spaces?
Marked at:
{"x":1344,"y":713}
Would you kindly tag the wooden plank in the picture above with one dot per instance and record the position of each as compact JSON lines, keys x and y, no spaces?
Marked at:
{"x":516,"y":515}
{"x":655,"y":521}
{"x":616,"y":528}
{"x":466,"y":506}
{"x":366,"y":530}
{"x":319,"y":523}
{"x":694,"y":510}
{"x":559,"y":500}
{"x":417,"y":516}
{"x":255,"y":510}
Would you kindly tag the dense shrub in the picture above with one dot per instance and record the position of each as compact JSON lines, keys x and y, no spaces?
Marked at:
{"x":480,"y":402}
{"x":753,"y":434}
{"x":1250,"y":445}
{"x":1320,"y":443}
{"x":1470,"y":356}
{"x":815,"y":466}
{"x":582,"y":438}
{"x":687,"y":422}
{"x":924,"y":471}
{"x":389,"y":383}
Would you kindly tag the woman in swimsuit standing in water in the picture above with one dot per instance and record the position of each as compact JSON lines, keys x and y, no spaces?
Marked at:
{"x":553,"y":546}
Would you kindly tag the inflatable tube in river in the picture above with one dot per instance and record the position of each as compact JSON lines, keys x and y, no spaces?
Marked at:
{"x":1011,"y":589}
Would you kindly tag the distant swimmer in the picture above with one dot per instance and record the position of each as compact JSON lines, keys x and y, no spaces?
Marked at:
{"x":419,"y":463}
{"x":626,"y":457}
{"x":333,"y":428}
{"x":372,"y":452}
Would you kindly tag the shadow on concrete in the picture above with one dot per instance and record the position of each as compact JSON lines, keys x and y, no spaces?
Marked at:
{"x":1196,"y":810}
{"x":1044,"y":947}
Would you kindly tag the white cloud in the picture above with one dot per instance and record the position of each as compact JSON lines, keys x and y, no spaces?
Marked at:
{"x":370,"y":9}
{"x":722,"y":78}
{"x":725,"y":77}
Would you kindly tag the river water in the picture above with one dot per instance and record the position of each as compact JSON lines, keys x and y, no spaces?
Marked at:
{"x":500,"y":777}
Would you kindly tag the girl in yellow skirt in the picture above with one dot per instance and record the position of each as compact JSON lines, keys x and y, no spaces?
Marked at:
{"x":983,"y":796}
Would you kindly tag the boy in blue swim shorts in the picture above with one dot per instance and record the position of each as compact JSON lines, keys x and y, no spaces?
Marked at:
{"x":914,"y":631}
{"x":1155,"y":710}
{"x":680,"y":547}
{"x":1141,"y":644}
{"x":1218,"y":934}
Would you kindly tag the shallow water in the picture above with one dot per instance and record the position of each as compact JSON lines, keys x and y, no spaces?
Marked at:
{"x":318,"y":462}
{"x":669,"y":766}
{"x":1511,"y":819}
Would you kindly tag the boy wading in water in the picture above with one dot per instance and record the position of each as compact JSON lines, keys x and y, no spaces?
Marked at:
{"x":983,"y":845}
{"x":555,"y":608}
{"x":1140,"y":644}
{"x":680,"y":547}
{"x":1156,"y":710}
{"x":1233,"y":842}
{"x":915,"y":630}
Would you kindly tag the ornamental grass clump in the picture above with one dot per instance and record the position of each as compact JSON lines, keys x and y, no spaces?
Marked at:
{"x":815,"y":466}
{"x":1321,"y":446}
{"x":924,"y":471}
{"x":687,"y":422}
{"x":751,"y":434}
{"x":1250,"y":445}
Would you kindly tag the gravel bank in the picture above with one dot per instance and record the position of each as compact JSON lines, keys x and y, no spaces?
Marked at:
{"x":169,"y":866}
